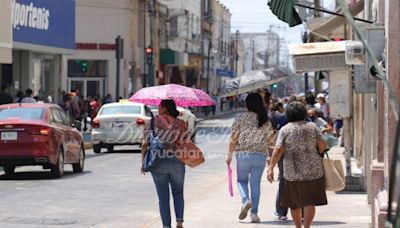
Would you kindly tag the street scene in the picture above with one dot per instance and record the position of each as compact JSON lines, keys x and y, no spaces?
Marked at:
{"x":200,"y":113}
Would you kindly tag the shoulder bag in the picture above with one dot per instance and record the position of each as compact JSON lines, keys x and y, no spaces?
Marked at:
{"x":334,"y":174}
{"x":154,"y":150}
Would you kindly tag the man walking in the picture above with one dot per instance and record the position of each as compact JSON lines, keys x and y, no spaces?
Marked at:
{"x":5,"y":97}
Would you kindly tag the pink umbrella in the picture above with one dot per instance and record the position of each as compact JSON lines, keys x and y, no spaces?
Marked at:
{"x":182,"y":95}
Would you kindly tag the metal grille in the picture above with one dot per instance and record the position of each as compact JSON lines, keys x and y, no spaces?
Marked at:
{"x":310,"y":63}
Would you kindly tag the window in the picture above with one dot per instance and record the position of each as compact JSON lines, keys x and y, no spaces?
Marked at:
{"x":87,"y":68}
{"x":56,"y":117}
{"x":21,"y":113}
{"x":64,"y":117}
{"x":174,"y":27}
{"x":112,"y":110}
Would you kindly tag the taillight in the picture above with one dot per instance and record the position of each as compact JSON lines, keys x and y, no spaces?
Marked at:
{"x":96,"y":123}
{"x":45,"y":131}
{"x":140,"y":121}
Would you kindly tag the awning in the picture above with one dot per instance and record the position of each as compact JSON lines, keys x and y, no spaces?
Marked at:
{"x":335,"y":22}
{"x":168,"y":56}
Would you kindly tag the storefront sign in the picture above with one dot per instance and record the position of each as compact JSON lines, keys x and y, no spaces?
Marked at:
{"x":44,"y":22}
{"x":95,"y":46}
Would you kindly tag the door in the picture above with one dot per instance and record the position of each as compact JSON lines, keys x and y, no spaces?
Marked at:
{"x":72,"y":138}
{"x":88,"y":87}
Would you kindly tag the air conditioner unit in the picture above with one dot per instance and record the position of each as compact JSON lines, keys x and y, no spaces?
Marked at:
{"x":325,"y":62}
{"x":355,"y":53}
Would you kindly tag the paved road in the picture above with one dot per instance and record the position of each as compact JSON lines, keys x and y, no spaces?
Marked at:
{"x":111,"y":192}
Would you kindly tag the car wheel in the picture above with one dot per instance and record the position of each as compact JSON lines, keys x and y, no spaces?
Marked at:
{"x":78,"y":167}
{"x":9,"y":169}
{"x":110,"y":148}
{"x":58,"y":169}
{"x":97,"y":148}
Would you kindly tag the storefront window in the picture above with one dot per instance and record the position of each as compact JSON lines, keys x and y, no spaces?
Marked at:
{"x":87,"y":68}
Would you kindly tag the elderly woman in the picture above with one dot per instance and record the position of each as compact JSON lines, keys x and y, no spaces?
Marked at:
{"x":302,"y":143}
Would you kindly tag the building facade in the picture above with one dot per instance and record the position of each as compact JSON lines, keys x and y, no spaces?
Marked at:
{"x":92,"y":68}
{"x":38,"y":43}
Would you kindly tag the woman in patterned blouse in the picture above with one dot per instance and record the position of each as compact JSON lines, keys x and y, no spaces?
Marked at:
{"x":302,"y":143}
{"x":250,"y":133}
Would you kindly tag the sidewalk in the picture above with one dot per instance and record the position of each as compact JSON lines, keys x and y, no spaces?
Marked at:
{"x":216,"y":208}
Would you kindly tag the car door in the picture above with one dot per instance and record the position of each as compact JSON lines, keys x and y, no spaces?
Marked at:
{"x":73,"y":139}
{"x":59,"y":132}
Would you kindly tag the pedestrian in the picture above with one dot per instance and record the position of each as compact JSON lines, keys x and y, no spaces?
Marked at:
{"x":108,"y":99}
{"x":302,"y":144}
{"x":323,"y":106}
{"x":322,"y":125}
{"x":28,"y":97}
{"x":5,"y":97}
{"x":95,"y":107}
{"x":249,"y":141}
{"x":169,"y":172}
{"x":19,"y":96}
{"x":311,"y":104}
{"x":278,"y":119}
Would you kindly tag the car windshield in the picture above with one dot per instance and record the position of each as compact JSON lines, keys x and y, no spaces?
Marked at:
{"x":112,"y":110}
{"x":21,"y":113}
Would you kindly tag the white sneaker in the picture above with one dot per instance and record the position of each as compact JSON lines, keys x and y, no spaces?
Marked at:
{"x":255,"y":218}
{"x":245,"y":209}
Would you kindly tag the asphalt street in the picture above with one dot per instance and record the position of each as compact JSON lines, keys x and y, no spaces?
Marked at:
{"x":111,"y":192}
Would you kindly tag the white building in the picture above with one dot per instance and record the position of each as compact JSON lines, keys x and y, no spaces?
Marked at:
{"x":92,"y":68}
{"x":184,"y":42}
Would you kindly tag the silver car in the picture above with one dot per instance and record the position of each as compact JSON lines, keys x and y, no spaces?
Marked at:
{"x":119,"y":124}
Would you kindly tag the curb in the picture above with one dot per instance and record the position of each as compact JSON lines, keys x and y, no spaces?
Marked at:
{"x":88,"y":146}
{"x":219,"y":115}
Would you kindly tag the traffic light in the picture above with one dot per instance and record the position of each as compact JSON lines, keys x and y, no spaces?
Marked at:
{"x":84,"y":67}
{"x":274,"y":86}
{"x":149,"y":55}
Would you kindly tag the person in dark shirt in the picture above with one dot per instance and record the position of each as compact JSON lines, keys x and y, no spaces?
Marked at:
{"x":5,"y":97}
{"x":278,"y":119}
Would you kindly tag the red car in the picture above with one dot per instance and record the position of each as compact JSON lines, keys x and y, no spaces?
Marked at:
{"x":39,"y":134}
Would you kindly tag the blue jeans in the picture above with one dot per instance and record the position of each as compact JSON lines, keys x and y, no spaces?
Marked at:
{"x":169,"y":172}
{"x":250,"y":166}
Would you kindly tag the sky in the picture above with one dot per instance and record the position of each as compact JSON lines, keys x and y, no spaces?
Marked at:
{"x":250,"y":16}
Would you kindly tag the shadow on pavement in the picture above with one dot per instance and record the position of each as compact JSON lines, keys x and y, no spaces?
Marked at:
{"x":315,"y":223}
{"x":39,"y":175}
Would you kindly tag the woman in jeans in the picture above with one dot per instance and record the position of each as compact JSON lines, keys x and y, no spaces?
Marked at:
{"x":169,"y":172}
{"x":302,"y":143}
{"x":250,"y":133}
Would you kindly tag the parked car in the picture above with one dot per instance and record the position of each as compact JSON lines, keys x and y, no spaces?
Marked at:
{"x":39,"y":134}
{"x":185,"y":115}
{"x":120,"y":123}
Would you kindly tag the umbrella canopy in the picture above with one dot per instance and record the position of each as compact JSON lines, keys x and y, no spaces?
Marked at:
{"x":252,"y":80}
{"x":182,"y":95}
{"x":284,"y":10}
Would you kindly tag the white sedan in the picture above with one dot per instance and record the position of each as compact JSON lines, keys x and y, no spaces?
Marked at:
{"x":185,"y":115}
{"x":119,"y":124}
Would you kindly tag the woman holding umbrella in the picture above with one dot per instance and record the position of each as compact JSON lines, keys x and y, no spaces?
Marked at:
{"x":169,"y":172}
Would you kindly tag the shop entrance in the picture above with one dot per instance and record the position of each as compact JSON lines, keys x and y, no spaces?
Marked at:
{"x":93,"y":87}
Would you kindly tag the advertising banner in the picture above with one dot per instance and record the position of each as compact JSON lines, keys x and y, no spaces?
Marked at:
{"x":44,"y":22}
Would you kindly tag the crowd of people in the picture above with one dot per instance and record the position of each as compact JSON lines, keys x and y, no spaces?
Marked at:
{"x":296,"y":130}
{"x":73,"y":103}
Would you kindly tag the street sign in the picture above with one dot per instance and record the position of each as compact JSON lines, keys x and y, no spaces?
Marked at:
{"x":225,"y":73}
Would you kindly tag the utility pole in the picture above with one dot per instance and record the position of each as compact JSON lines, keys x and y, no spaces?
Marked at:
{"x":253,"y":65}
{"x":236,"y":52}
{"x":208,"y":62}
{"x":119,"y":54}
{"x":144,"y":45}
{"x":152,"y":14}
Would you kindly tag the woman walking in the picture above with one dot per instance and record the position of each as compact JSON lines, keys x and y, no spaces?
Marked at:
{"x":250,"y":133}
{"x":169,"y":172}
{"x":302,"y":143}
